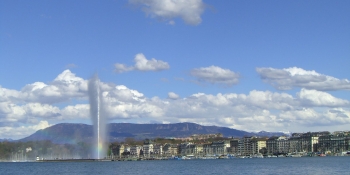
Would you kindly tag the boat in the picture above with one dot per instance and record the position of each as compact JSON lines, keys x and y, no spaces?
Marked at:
{"x":259,"y":156}
{"x":295,"y":155}
{"x":175,"y":158}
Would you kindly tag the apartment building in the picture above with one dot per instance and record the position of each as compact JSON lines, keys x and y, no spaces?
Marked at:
{"x":118,"y":150}
{"x":158,"y":149}
{"x":135,"y":150}
{"x":147,"y":148}
{"x":334,"y":143}
{"x":257,"y":145}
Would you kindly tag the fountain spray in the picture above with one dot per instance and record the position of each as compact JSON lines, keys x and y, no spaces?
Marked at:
{"x":98,"y":118}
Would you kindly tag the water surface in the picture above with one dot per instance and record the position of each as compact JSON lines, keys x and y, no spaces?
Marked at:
{"x":303,"y":165}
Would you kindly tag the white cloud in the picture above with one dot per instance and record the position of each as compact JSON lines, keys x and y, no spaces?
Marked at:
{"x":120,"y":68}
{"x":41,"y":110}
{"x":27,"y":113}
{"x":123,"y":102}
{"x":10,"y":112}
{"x":78,"y":111}
{"x":309,"y":117}
{"x":215,"y":75}
{"x":64,"y":87}
{"x":259,"y":110}
{"x":142,"y":64}
{"x":8,"y":94}
{"x":172,"y":95}
{"x":22,"y":131}
{"x":122,"y":93}
{"x":167,"y":10}
{"x":270,"y":100}
{"x":284,"y":79}
{"x":256,"y":110}
{"x":319,"y":98}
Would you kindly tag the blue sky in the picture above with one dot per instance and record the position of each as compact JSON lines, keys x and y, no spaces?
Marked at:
{"x":249,"y":65}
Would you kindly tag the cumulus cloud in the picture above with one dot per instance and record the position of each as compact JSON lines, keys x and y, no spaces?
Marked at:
{"x":285,"y":79}
{"x":167,"y":10}
{"x":64,"y":87}
{"x":319,"y":98}
{"x":78,"y":111}
{"x":142,"y":64}
{"x":22,"y":131}
{"x":260,"y":110}
{"x":8,"y":94}
{"x":215,"y":75}
{"x":28,"y":113}
{"x":309,"y":117}
{"x":256,"y":110}
{"x":172,"y":95}
{"x":41,"y":110}
{"x":122,"y":93}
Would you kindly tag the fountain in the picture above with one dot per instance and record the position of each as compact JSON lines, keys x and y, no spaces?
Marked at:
{"x":98,"y":118}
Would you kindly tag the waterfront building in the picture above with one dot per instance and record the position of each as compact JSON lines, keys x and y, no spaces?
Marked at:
{"x":309,"y":141}
{"x":258,"y":144}
{"x":293,"y":144}
{"x":247,"y":145}
{"x":207,"y":149}
{"x":234,"y":143}
{"x":127,"y":148}
{"x":240,"y":146}
{"x":271,"y":145}
{"x":282,"y":145}
{"x":174,"y":150}
{"x":136,"y":150}
{"x":216,"y":148}
{"x":186,"y":148}
{"x":118,"y":150}
{"x":198,"y":149}
{"x":147,"y":148}
{"x":277,"y":145}
{"x":298,"y":142}
{"x":170,"y":149}
{"x":191,"y":149}
{"x":158,"y":149}
{"x":220,"y":147}
{"x":166,"y":149}
{"x":338,"y":142}
{"x":334,"y":143}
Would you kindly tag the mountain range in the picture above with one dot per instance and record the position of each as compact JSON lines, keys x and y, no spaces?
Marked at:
{"x":74,"y":133}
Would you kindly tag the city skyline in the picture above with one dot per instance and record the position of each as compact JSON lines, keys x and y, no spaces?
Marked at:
{"x":252,"y":66}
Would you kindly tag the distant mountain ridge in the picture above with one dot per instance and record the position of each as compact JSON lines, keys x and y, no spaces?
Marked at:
{"x":8,"y":140}
{"x":74,"y":133}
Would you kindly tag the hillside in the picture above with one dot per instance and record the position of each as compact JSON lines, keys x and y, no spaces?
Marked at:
{"x":75,"y":133}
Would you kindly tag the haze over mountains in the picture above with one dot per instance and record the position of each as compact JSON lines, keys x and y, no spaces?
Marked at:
{"x":74,"y":133}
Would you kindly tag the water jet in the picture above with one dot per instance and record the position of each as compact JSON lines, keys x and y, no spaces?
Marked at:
{"x":97,"y":115}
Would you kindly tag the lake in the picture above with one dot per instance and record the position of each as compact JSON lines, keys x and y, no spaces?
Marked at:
{"x":302,"y":165}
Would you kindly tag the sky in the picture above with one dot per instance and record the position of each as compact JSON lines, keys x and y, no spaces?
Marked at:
{"x":248,"y":65}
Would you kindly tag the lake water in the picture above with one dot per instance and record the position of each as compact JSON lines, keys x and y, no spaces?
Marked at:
{"x":303,"y":165}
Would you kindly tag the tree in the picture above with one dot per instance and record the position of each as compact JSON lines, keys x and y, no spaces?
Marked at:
{"x":263,"y":151}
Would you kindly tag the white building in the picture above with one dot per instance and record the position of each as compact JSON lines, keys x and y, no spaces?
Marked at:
{"x":148,"y":148}
{"x":135,"y":150}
